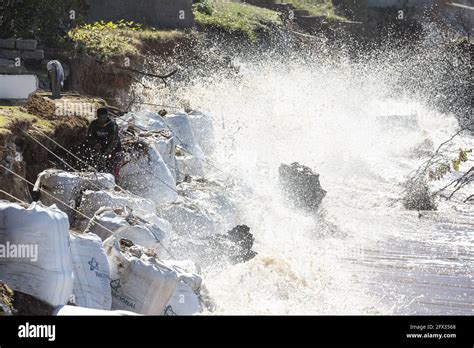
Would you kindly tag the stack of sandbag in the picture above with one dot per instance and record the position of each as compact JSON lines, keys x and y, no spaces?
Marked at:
{"x":145,"y":173}
{"x":124,"y":224}
{"x":203,"y":131}
{"x":92,"y":201}
{"x":190,"y":157}
{"x":140,"y":282}
{"x":202,"y":209}
{"x":91,"y":272}
{"x":42,"y":264}
{"x":68,"y":187}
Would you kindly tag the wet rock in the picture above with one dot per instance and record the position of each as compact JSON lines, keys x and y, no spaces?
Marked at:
{"x":234,"y":246}
{"x":241,"y":236}
{"x":418,"y":196}
{"x":301,"y":186}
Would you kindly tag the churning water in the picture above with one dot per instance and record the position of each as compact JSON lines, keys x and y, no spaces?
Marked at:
{"x":355,"y":125}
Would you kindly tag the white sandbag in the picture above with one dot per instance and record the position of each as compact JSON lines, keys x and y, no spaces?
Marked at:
{"x":188,"y":273}
{"x":166,"y":146}
{"x":42,"y":234}
{"x":181,"y":127}
{"x":76,"y":311}
{"x":68,"y":187}
{"x":124,"y":224}
{"x":203,"y":131}
{"x":163,"y":224}
{"x":91,"y":272}
{"x":92,"y":201}
{"x":142,"y":285}
{"x":207,"y":209}
{"x":146,"y":174}
{"x":189,"y":165}
{"x":183,"y":302}
{"x":144,"y":120}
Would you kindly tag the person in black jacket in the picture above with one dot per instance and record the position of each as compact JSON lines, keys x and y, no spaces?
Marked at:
{"x":104,"y":143}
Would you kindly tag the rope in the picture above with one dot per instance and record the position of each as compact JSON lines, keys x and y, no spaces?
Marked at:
{"x":95,"y":170}
{"x":70,"y":207}
{"x":61,"y":159}
{"x":11,"y":196}
{"x":76,"y":157}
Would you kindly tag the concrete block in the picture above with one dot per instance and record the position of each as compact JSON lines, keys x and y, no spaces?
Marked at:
{"x":28,"y":45}
{"x":32,"y":55}
{"x":17,"y":86}
{"x":6,"y":62}
{"x":7,"y":43}
{"x":157,"y":13}
{"x":9,"y":54}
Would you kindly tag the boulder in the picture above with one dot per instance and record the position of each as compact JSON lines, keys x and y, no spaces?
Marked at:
{"x":301,"y":186}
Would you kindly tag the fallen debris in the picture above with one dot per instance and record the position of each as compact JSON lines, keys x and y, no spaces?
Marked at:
{"x":6,"y":299}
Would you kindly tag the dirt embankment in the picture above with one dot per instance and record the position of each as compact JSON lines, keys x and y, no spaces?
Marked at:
{"x":24,"y":133}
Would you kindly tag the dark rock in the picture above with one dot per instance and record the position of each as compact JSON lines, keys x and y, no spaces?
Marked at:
{"x":301,"y":186}
{"x":418,"y":196}
{"x":236,"y":244}
{"x":25,"y":304}
{"x":241,"y":236}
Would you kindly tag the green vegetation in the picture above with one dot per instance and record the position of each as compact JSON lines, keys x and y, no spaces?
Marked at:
{"x":235,"y":18}
{"x":10,"y":115}
{"x":45,"y":20}
{"x":106,"y":40}
{"x":6,"y":299}
{"x":316,"y":8}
